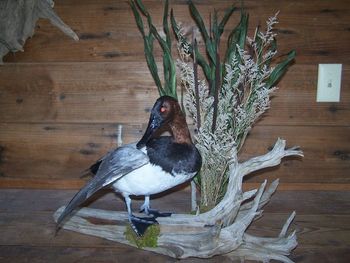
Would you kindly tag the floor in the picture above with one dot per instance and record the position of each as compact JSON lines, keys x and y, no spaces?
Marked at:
{"x":27,"y":230}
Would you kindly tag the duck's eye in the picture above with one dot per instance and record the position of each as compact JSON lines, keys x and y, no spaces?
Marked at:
{"x":162,"y":109}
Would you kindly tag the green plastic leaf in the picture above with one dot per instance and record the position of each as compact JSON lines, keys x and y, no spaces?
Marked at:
{"x":199,"y":21}
{"x":211,"y":49}
{"x":148,"y":44}
{"x":169,"y":69}
{"x":273,"y":48}
{"x":145,"y":13}
{"x":151,"y":63}
{"x":200,"y":59}
{"x":224,"y":20}
{"x":167,"y":58}
{"x":180,"y":38}
{"x":237,"y":37}
{"x":168,"y":64}
{"x":142,"y":7}
{"x":203,"y":63}
{"x":215,"y":27}
{"x":165,"y":24}
{"x":138,"y":18}
{"x":279,"y":70}
{"x":244,"y":30}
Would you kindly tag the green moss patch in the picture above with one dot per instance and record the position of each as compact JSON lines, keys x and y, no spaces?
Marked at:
{"x":149,"y":239}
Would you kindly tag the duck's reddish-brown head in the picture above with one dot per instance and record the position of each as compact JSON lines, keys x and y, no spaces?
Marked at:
{"x":166,"y":112}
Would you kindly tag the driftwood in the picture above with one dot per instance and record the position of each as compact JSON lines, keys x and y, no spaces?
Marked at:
{"x":18,"y":19}
{"x":216,"y":232}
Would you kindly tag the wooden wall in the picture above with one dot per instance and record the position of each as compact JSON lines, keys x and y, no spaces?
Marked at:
{"x":61,"y":101}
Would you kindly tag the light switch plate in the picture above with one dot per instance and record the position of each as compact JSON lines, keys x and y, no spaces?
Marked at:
{"x":329,"y":80}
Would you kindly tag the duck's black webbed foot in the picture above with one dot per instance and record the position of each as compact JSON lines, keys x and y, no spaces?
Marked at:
{"x":140,"y":224}
{"x":155,"y":213}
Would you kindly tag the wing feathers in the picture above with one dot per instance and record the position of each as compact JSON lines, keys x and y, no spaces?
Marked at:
{"x":114,"y":165}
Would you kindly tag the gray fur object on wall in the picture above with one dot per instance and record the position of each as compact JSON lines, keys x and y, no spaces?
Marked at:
{"x":18,"y":19}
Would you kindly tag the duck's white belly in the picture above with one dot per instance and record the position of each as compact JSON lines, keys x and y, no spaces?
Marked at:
{"x":148,"y":180}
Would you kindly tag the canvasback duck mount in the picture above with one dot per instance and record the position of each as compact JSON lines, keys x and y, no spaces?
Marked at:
{"x":153,"y":165}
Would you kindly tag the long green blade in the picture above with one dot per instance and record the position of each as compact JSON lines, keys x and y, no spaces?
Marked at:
{"x":138,"y":18}
{"x":199,"y":21}
{"x":237,"y":37}
{"x":203,"y":63}
{"x":169,"y":65}
{"x":165,"y":24}
{"x":279,"y":70}
{"x":148,"y":44}
{"x":182,"y":39}
{"x":151,"y":63}
{"x":224,"y":20}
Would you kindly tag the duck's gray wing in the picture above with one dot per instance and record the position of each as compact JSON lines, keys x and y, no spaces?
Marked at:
{"x":114,"y":165}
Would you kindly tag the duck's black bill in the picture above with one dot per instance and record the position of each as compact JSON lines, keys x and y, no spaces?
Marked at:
{"x":154,"y":124}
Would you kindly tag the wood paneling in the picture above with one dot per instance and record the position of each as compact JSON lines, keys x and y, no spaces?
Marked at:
{"x":318,"y":31}
{"x":62,"y":151}
{"x":56,"y":150}
{"x":76,"y":92}
{"x":61,"y":101}
{"x":124,"y":92}
{"x":326,"y":155}
{"x":321,"y":224}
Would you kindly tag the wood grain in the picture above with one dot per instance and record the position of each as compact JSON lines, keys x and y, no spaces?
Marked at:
{"x":124,"y":93}
{"x":57,"y":151}
{"x":62,"y":184}
{"x":61,"y":101}
{"x":76,"y":92}
{"x":324,"y":156}
{"x":28,"y":231}
{"x":108,"y":32}
{"x":282,"y":202}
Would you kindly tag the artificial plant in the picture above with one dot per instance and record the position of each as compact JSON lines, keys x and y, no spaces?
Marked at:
{"x":236,"y":89}
{"x":233,"y":97}
{"x":169,"y":86}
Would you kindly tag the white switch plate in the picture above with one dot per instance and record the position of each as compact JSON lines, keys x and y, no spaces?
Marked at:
{"x":329,"y":80}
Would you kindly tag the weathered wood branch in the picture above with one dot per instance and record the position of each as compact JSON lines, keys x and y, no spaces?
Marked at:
{"x":18,"y":19}
{"x":266,"y":249}
{"x":270,"y":159}
{"x":218,"y":231}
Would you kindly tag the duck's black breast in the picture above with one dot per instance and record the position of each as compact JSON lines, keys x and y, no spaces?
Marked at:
{"x":174,"y":157}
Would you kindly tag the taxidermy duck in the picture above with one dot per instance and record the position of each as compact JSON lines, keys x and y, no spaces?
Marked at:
{"x":151,"y":166}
